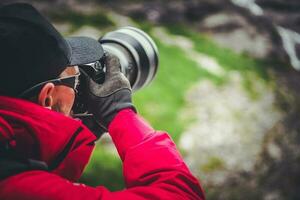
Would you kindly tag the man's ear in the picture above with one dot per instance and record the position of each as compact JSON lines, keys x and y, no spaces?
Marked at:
{"x":45,"y":97}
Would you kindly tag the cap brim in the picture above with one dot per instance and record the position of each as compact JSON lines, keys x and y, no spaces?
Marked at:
{"x":84,"y":50}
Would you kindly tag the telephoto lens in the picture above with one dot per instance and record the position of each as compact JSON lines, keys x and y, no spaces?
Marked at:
{"x":137,"y":53}
{"x":139,"y":59}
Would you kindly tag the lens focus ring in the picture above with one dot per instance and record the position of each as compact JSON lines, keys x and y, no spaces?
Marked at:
{"x":141,"y":49}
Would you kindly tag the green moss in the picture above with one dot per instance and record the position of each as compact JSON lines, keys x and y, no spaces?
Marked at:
{"x":228,"y":59}
{"x":213,"y":164}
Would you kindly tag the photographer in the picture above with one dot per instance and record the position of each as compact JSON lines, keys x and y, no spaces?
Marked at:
{"x":43,"y":151}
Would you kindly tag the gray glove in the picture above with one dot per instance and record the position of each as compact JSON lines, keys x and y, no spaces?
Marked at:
{"x":106,"y":100}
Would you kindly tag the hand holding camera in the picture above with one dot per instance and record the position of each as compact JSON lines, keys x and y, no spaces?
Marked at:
{"x":105,"y":100}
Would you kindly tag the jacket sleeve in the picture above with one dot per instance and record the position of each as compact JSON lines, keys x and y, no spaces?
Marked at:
{"x":152,"y":167}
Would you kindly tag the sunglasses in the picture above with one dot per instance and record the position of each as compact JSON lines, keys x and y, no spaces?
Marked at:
{"x":70,"y":81}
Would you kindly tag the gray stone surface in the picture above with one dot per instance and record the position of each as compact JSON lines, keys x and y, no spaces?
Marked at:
{"x":229,"y":128}
{"x":243,"y":37}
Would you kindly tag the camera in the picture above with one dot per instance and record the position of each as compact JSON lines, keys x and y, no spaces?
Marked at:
{"x":138,"y":56}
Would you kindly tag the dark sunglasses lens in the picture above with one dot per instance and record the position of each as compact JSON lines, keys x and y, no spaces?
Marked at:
{"x":69,"y":82}
{"x":72,"y":82}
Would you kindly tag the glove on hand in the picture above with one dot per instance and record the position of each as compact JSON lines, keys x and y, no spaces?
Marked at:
{"x":106,"y":100}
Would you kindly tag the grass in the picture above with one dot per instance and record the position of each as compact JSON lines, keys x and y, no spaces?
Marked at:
{"x":104,"y":169}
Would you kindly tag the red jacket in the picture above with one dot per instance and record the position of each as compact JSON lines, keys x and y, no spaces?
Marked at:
{"x":152,"y":167}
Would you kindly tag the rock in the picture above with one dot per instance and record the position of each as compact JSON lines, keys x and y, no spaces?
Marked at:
{"x":156,"y":11}
{"x":236,"y":28}
{"x":227,"y":136}
{"x":255,"y":152}
{"x":282,"y":12}
{"x":236,"y":32}
{"x":285,"y":16}
{"x":278,"y":170}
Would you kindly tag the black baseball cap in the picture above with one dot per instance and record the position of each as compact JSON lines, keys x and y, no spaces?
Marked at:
{"x":33,"y":51}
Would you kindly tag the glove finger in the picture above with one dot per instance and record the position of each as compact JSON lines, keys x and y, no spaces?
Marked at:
{"x":112,"y":65}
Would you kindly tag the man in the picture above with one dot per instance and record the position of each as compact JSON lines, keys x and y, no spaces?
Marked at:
{"x":43,"y":151}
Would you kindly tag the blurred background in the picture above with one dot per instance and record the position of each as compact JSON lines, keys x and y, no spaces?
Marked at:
{"x":227,"y":90}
